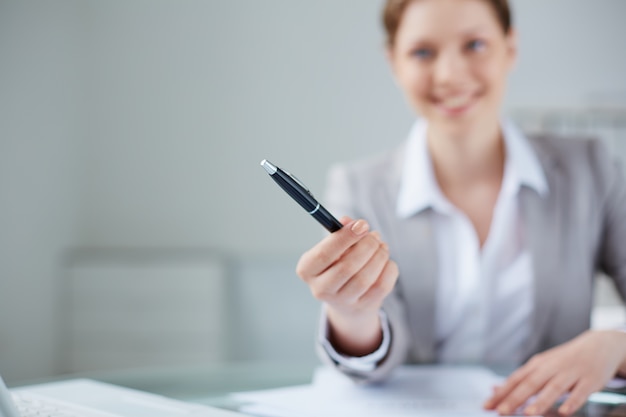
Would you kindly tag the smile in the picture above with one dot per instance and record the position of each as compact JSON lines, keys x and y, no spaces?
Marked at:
{"x":457,"y":105}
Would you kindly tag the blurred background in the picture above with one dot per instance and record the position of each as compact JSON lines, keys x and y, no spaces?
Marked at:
{"x":137,"y":228}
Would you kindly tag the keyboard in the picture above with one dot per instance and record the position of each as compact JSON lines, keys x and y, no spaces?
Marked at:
{"x":28,"y":406}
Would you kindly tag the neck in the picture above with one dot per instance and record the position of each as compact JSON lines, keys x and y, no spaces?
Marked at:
{"x":461,"y":161}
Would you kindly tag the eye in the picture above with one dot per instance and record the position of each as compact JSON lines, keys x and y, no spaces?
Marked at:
{"x":423,"y":53}
{"x":476,"y":45}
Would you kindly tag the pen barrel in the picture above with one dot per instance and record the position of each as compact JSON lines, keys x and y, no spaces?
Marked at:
{"x":306,"y":201}
{"x":294,"y":190}
{"x":326,"y":219}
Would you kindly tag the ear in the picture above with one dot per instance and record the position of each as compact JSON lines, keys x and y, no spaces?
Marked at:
{"x":512,"y":47}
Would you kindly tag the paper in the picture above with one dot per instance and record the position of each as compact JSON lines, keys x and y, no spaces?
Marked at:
{"x":411,"y":391}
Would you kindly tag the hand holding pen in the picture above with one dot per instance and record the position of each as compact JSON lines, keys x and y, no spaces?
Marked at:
{"x":349,"y":270}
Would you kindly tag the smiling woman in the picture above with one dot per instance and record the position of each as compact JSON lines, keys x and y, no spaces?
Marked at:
{"x":449,"y":71}
{"x":486,"y":240}
{"x":454,"y":75}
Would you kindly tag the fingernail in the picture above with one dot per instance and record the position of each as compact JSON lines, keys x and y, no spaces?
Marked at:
{"x":564,"y":409}
{"x":360,"y":227}
{"x":531,"y":411}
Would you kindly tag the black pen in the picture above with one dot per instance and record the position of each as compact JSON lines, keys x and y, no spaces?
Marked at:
{"x":302,"y":195}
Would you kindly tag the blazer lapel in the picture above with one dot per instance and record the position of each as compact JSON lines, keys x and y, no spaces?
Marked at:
{"x":543,"y":217}
{"x":415,"y":251}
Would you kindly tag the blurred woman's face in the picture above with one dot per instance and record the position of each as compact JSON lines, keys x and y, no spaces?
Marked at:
{"x":452,"y":58}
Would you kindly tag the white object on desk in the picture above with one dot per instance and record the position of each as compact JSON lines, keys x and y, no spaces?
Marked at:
{"x":411,"y":391}
{"x":87,"y":398}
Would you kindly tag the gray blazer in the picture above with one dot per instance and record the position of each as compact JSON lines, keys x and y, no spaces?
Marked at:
{"x":575,"y":231}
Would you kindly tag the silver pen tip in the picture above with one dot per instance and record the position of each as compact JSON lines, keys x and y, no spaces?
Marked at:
{"x":269,"y":167}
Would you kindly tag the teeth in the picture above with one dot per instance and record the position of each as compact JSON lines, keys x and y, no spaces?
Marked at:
{"x":456,"y":102}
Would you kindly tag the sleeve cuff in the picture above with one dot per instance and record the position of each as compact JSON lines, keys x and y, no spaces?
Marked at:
{"x":365,"y":363}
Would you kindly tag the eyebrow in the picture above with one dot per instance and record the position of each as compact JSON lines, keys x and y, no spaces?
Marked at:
{"x":473,"y":31}
{"x":427,"y":41}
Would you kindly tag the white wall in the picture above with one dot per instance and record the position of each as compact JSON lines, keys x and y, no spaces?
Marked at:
{"x":41,"y":81}
{"x":190,"y":96}
{"x":142,"y":123}
{"x":571,"y":53}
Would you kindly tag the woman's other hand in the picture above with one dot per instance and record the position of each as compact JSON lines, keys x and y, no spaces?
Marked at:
{"x":578,"y":368}
{"x":351,"y":272}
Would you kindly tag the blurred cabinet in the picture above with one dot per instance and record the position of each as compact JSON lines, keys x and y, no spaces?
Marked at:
{"x":127,"y":309}
{"x":605,"y":123}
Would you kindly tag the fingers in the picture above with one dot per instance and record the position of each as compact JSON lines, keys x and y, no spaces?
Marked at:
{"x":503,"y":391}
{"x":349,"y":267}
{"x":353,"y":272}
{"x":330,"y":249}
{"x":581,"y":391}
{"x":521,"y":393}
{"x":383,"y":286}
{"x":582,"y":366}
{"x":520,"y":386}
{"x":548,"y":383}
{"x":551,"y":393}
{"x":494,"y":400}
{"x":368,"y":274}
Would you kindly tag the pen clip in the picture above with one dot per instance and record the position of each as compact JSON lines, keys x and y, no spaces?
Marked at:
{"x":293,"y":177}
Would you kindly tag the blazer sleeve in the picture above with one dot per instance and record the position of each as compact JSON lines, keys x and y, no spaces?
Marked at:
{"x":612,"y":249}
{"x":342,"y":199}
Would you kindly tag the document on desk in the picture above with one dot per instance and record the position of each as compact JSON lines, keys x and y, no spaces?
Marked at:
{"x":411,"y":391}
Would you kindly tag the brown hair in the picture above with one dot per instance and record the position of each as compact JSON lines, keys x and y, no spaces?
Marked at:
{"x":394,"y":9}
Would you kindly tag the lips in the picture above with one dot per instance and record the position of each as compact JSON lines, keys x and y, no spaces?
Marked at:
{"x":457,"y":104}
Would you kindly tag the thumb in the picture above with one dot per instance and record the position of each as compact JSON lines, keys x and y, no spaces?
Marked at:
{"x":357,"y":227}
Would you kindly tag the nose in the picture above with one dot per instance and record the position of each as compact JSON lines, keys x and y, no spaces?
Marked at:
{"x":450,"y":69}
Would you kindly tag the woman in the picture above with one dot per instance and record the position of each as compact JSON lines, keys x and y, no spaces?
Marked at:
{"x":495,"y":237}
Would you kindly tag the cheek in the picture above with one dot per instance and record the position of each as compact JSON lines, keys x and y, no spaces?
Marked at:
{"x":415,"y":83}
{"x":493,"y":76}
